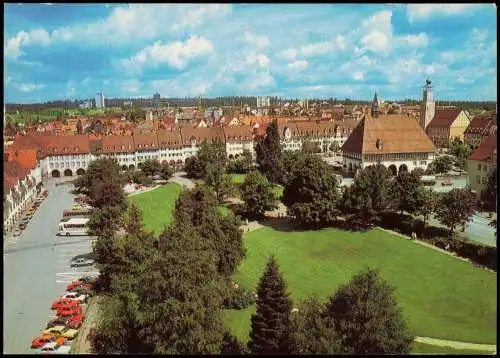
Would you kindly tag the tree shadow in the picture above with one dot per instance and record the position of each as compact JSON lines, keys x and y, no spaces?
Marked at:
{"x":282,"y":224}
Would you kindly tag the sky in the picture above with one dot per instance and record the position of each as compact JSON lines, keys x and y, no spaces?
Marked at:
{"x":73,"y":51}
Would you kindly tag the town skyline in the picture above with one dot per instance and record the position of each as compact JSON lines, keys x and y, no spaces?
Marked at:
{"x":344,"y":51}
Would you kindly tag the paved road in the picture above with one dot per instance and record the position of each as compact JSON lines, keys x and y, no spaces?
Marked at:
{"x":35,"y":274}
{"x":181,"y":179}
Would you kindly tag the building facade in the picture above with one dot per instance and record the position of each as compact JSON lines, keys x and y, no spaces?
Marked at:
{"x":447,"y":125}
{"x":396,"y":141}
{"x":479,"y":129}
{"x":481,"y":162}
{"x":99,"y":100}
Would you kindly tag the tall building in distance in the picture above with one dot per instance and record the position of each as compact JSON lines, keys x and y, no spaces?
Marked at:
{"x":375,"y":111}
{"x":99,"y":101}
{"x":428,"y":106}
{"x":156,"y":99}
{"x":263,"y":102}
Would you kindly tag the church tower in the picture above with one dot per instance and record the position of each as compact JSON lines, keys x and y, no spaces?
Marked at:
{"x":375,"y":106}
{"x":428,"y":106}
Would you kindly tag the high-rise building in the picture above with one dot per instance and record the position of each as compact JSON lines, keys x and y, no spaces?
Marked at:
{"x":99,"y":101}
{"x":263,"y":102}
{"x":428,"y":106}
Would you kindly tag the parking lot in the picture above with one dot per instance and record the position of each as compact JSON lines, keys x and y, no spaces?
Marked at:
{"x":36,"y":272}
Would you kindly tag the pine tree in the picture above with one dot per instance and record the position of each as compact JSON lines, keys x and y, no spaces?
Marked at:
{"x":269,"y":154}
{"x":271,"y":331}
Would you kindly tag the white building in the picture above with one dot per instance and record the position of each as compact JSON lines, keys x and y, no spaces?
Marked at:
{"x":99,"y":101}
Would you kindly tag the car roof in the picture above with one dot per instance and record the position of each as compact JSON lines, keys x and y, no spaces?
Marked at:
{"x":58,"y":327}
{"x":50,"y":345}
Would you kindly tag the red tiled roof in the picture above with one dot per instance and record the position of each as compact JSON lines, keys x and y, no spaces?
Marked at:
{"x":201,"y":134}
{"x":242,"y":132}
{"x":145,"y":141}
{"x":117,"y":144}
{"x":479,"y":124}
{"x":13,"y":171}
{"x":396,"y":133}
{"x":169,"y":139}
{"x":445,"y":117}
{"x":487,"y":150}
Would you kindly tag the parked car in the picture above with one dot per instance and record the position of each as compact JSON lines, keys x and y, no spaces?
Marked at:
{"x":58,"y":321}
{"x":78,"y":284}
{"x":22,"y":226}
{"x":17,"y":233}
{"x":82,"y":290}
{"x":76,"y":321}
{"x":62,"y":331}
{"x":69,"y":311}
{"x":43,"y":339}
{"x":60,"y":303}
{"x":45,"y":193}
{"x":54,"y":348}
{"x":80,"y":262}
{"x":75,"y":296}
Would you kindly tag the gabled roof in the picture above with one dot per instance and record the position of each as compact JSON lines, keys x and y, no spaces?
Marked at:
{"x":242,"y":132}
{"x":117,"y":144}
{"x":145,"y":141}
{"x":445,"y":117}
{"x":169,"y":139}
{"x":479,"y":124}
{"x":394,"y":133}
{"x":487,"y":150}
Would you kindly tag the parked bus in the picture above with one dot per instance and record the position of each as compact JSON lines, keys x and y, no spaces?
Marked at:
{"x":76,"y":213}
{"x":74,"y":226}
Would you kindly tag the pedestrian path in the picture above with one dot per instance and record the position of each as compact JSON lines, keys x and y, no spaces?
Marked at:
{"x":456,"y":345}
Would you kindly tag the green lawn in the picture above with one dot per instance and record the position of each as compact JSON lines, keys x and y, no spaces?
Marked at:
{"x":157,"y":206}
{"x":238,"y":178}
{"x":441,"y":297}
{"x":419,"y":348}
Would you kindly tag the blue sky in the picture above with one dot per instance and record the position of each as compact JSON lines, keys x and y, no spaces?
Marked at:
{"x":56,"y":51}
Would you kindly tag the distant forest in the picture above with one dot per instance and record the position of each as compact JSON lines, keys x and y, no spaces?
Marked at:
{"x":228,"y":102}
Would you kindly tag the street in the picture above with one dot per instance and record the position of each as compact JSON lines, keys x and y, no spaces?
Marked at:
{"x":36,"y":273}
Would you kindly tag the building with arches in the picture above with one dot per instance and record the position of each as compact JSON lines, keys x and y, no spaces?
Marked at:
{"x":396,"y":141}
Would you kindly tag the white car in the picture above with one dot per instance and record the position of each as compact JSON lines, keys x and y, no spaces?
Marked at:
{"x":54,"y":348}
{"x":75,"y":296}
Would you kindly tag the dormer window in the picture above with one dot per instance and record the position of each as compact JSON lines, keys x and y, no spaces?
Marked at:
{"x":379,"y":144}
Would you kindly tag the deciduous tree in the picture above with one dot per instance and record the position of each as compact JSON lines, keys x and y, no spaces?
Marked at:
{"x":455,"y":208}
{"x":367,"y":318}
{"x":150,"y":167}
{"x":313,"y":333}
{"x":489,"y":194}
{"x":312,"y":194}
{"x":403,"y":190}
{"x":258,"y":195}
{"x":271,"y":329}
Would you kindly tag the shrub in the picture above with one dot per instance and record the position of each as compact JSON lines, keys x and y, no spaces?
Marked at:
{"x":239,"y":298}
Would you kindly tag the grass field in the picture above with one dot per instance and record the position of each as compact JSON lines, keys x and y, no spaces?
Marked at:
{"x":441,"y":297}
{"x":419,"y":348}
{"x":157,"y":206}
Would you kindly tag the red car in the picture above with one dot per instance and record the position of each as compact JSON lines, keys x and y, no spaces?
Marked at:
{"x":46,"y":193}
{"x":62,"y":302}
{"x":76,"y":321}
{"x":78,"y":283}
{"x":42,"y":340}
{"x":69,"y":311}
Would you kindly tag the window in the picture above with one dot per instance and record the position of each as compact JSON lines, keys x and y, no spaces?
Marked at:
{"x":415,"y":164}
{"x":423,"y":162}
{"x":485,"y":168}
{"x":479,"y":167}
{"x":478,"y":179}
{"x":485,"y":180}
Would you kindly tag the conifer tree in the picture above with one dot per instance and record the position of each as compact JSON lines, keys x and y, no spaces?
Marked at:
{"x":271,"y":331}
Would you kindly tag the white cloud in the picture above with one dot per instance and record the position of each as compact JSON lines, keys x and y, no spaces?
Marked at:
{"x":28,"y":87}
{"x":298,"y":65}
{"x":176,"y":54}
{"x":376,"y":41}
{"x":123,"y":24}
{"x":462,"y":80}
{"x":479,"y":35}
{"x":447,"y":56}
{"x":8,"y":79}
{"x":317,"y":49}
{"x":258,"y":42}
{"x":289,"y":54}
{"x":378,"y":32}
{"x":358,"y":75}
{"x":422,"y":12}
{"x":261,"y":59}
{"x":420,"y":40}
